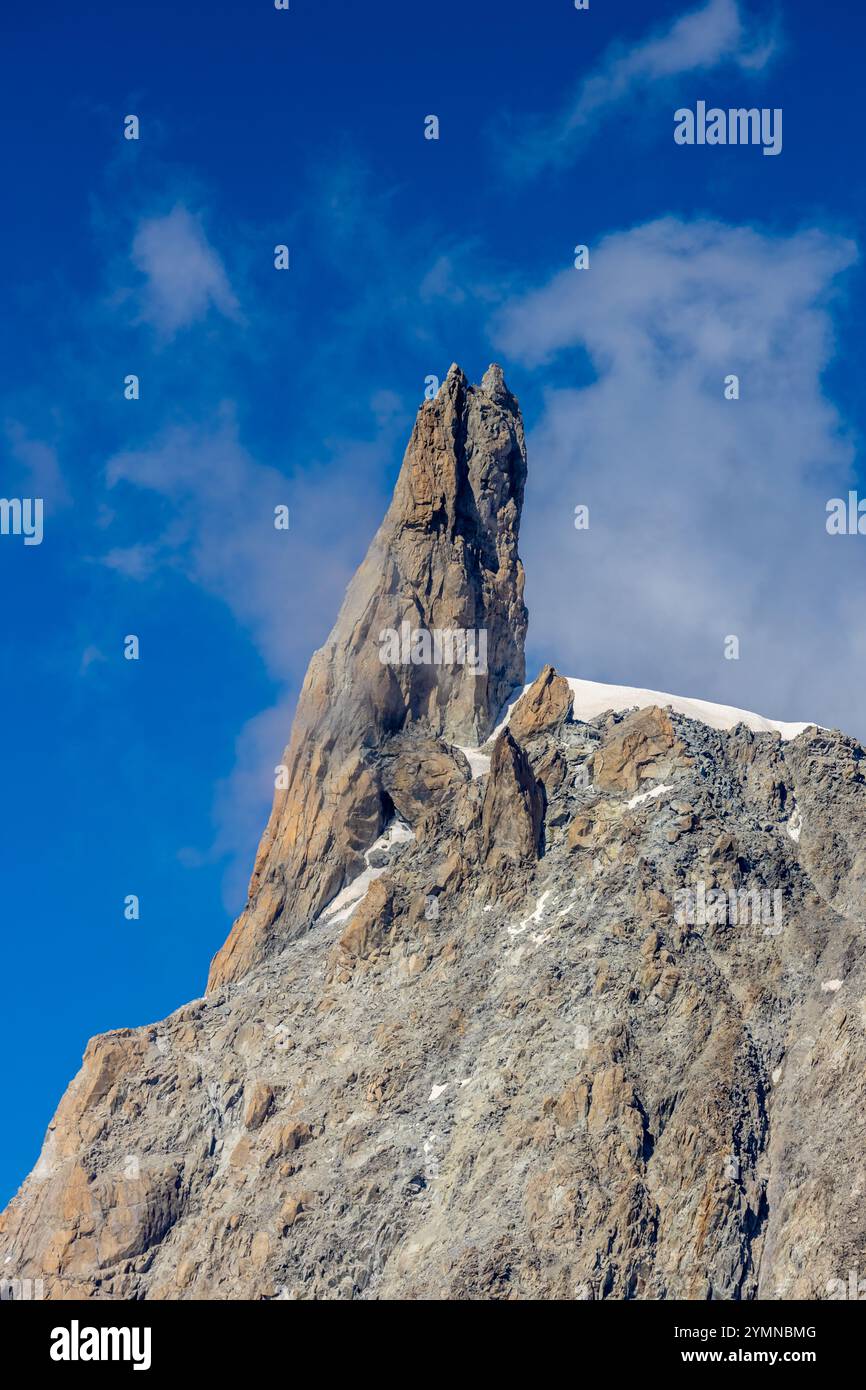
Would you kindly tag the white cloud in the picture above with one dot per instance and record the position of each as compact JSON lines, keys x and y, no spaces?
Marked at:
{"x":439,"y":283}
{"x":135,"y":561}
{"x":184,"y":276}
{"x":243,"y":798}
{"x":706,"y":515}
{"x":703,"y":39}
{"x":89,"y":657}
{"x":44,"y":475}
{"x":283,"y":587}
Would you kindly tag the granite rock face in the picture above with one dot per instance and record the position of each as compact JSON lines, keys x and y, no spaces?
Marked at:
{"x":588,"y":1024}
{"x":544,"y":706}
{"x":443,"y":573}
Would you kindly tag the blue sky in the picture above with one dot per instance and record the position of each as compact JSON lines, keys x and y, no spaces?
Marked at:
{"x":261,"y":387}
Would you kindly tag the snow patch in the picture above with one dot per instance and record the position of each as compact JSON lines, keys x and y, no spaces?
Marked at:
{"x":340,"y":908}
{"x":646,"y":796}
{"x":830,"y":986}
{"x":397,"y":832}
{"x":534,"y":918}
{"x":437,"y":1091}
{"x":479,"y":763}
{"x":795,"y":826}
{"x":592,"y":698}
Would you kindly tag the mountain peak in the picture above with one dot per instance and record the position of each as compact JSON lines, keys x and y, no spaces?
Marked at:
{"x":493,"y":385}
{"x":430,"y":636}
{"x":557,"y":1024}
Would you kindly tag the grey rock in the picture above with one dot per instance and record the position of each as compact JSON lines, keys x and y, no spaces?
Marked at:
{"x":563,"y":1047}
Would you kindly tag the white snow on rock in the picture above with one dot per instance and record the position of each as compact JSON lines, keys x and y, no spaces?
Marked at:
{"x":534,"y":918}
{"x":437,"y":1091}
{"x":831,"y":986}
{"x":795,"y":826}
{"x":478,"y":762}
{"x":646,"y":796}
{"x":340,"y":908}
{"x":591,"y":698}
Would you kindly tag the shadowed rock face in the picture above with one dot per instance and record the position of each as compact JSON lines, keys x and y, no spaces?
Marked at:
{"x":512,"y":816}
{"x":444,"y":561}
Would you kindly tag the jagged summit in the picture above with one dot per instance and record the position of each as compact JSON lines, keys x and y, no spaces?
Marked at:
{"x":443,"y":573}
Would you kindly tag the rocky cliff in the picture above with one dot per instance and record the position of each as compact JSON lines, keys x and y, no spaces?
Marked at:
{"x":444,"y":561}
{"x":580,"y":1015}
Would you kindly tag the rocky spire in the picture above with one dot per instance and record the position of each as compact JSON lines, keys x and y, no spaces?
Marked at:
{"x":430,"y":634}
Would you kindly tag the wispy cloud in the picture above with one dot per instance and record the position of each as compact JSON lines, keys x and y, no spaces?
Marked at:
{"x":283,"y":587}
{"x":243,"y":798}
{"x":707,"y":515}
{"x":91,"y":656}
{"x":184,"y":276}
{"x":41,"y":464}
{"x":703,"y":39}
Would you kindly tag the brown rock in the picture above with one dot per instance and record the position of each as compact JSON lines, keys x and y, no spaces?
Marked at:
{"x":549,"y":766}
{"x":289,"y":1138}
{"x":512,"y":815}
{"x":634,"y":751}
{"x":592,"y":828}
{"x":422,"y":775}
{"x":544,"y":706}
{"x":260,"y":1248}
{"x":260,"y":1103}
{"x":580,"y":832}
{"x":369,"y":924}
{"x":295,"y":1207}
{"x":138,"y":1213}
{"x":242,"y":1153}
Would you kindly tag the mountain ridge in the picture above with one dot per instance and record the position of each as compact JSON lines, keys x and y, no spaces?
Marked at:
{"x":513,"y":1025}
